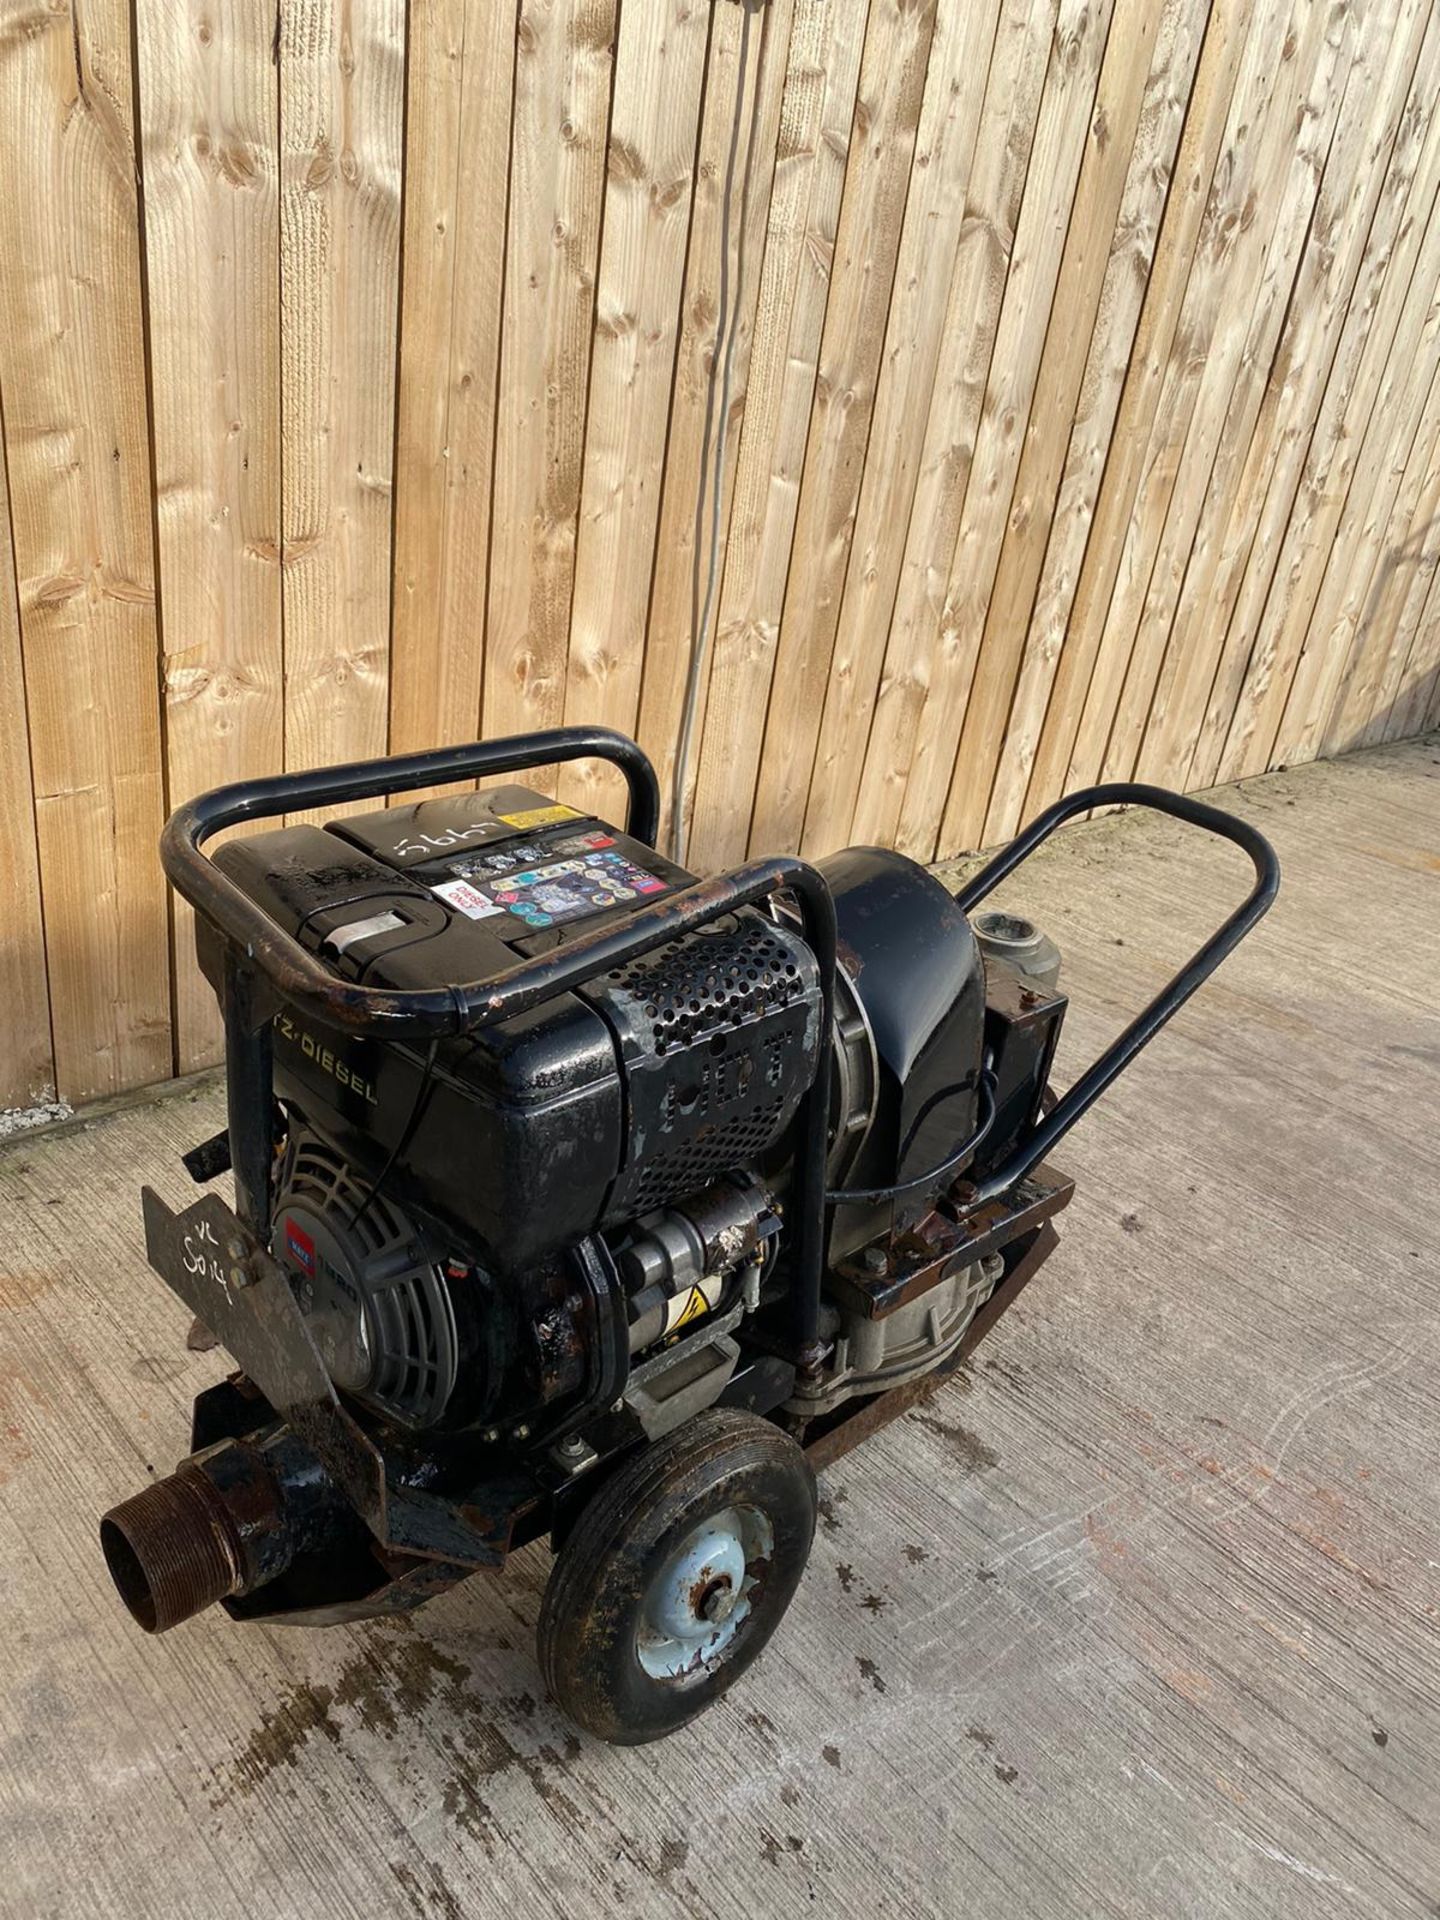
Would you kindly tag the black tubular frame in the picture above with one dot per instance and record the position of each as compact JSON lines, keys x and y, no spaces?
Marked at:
{"x":265,"y":966}
{"x":1039,"y":1142}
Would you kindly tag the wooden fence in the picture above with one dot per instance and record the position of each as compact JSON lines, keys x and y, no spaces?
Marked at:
{"x":355,"y":364}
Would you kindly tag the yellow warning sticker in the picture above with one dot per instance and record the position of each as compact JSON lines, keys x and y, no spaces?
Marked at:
{"x":540,"y":816}
{"x":696,"y":1305}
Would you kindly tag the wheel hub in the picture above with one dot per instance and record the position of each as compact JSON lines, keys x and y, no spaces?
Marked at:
{"x":699,"y":1599}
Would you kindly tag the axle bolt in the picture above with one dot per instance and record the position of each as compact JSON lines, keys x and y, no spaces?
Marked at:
{"x":717,"y":1603}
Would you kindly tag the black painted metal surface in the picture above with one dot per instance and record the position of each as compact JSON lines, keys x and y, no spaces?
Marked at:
{"x":433,"y":1512}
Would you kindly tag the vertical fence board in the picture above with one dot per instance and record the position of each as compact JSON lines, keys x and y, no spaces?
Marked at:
{"x":944,"y":154}
{"x":447,"y":658}
{"x":422,"y":708}
{"x":72,"y":373}
{"x":659,"y":65}
{"x":690,"y":452}
{"x":207,"y":98}
{"x":27,"y":1060}
{"x":916,"y":658}
{"x":457,"y":137}
{"x":877,"y":183}
{"x":814,"y":138}
{"x":564,"y":69}
{"x":341,"y":118}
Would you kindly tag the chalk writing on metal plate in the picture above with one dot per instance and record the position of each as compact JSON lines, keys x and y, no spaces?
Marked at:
{"x":201,"y":1256}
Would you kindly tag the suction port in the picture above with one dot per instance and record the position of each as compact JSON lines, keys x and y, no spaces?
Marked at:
{"x":171,"y":1551}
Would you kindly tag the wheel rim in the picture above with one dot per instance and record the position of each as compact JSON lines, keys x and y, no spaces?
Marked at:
{"x":696,"y":1606}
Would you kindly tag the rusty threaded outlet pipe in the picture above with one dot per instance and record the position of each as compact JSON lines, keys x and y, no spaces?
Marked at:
{"x":172,"y":1550}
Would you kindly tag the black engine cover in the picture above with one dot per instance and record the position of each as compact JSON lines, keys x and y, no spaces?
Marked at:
{"x":526,"y":1135}
{"x":914,"y":967}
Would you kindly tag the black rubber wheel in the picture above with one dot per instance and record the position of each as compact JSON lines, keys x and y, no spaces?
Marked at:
{"x":675,"y":1576}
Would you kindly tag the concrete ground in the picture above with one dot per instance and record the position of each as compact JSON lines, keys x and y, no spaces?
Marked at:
{"x":1138,"y":1616}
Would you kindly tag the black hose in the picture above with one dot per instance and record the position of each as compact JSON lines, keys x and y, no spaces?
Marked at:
{"x":866,"y":1196}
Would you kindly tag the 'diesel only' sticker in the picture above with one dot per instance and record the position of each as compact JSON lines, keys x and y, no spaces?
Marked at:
{"x":470,"y":901}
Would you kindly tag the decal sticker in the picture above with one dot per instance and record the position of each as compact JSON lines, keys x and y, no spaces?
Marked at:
{"x":300,"y":1246}
{"x":597,"y":879}
{"x":470,"y":901}
{"x":540,"y":816}
{"x":343,"y":938}
{"x":583,"y":843}
{"x":693,"y":1305}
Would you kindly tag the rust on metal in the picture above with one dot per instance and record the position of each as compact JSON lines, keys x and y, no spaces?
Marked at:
{"x":172,"y":1550}
{"x":917,"y":1258}
{"x":864,"y":1418}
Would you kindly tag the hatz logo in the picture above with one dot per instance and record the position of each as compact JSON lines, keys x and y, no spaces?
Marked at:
{"x":300,"y":1247}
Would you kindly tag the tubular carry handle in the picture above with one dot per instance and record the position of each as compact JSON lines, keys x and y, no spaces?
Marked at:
{"x":1035,"y":1145}
{"x":423,"y":1013}
{"x":296,"y":973}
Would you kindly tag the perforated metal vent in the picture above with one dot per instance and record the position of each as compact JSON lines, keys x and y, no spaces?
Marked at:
{"x":369,"y":1285}
{"x":697,"y":1160}
{"x":717,"y":979}
{"x":719,"y":1034}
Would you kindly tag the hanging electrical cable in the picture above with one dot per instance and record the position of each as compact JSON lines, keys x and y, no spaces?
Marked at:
{"x":717,"y":404}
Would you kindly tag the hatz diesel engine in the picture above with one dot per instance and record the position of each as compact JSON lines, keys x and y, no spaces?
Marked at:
{"x":575,"y":1196}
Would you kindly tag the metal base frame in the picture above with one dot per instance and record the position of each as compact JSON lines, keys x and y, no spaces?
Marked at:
{"x":829,"y":1440}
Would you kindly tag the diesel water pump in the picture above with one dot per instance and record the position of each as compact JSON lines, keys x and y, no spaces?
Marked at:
{"x":577,"y":1198}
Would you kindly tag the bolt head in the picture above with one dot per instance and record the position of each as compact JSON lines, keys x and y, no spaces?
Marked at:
{"x":719,"y":1603}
